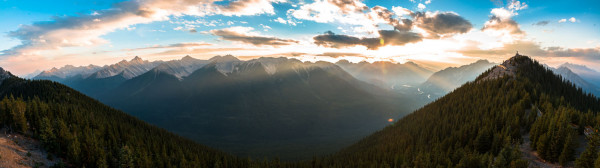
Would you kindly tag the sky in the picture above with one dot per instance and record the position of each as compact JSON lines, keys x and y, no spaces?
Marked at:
{"x":38,"y":35}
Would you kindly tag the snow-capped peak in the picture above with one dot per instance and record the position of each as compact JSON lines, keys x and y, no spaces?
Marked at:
{"x":130,"y":69}
{"x":136,"y":60}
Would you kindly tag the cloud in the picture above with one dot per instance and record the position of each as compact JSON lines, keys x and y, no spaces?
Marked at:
{"x":328,"y":11}
{"x":562,"y":20}
{"x":524,"y":47}
{"x":531,"y":48}
{"x":387,"y":16}
{"x":394,"y":37}
{"x":440,"y":24}
{"x":87,"y":29}
{"x":353,"y":12}
{"x":191,"y":44}
{"x":499,"y":24}
{"x":421,"y":6}
{"x":177,"y":46}
{"x":387,"y":37}
{"x":511,"y":9}
{"x":196,"y":51}
{"x":503,"y":26}
{"x":245,"y":35}
{"x":247,"y":7}
{"x":437,"y":24}
{"x":516,"y":5}
{"x":330,"y":39}
{"x":502,"y":13}
{"x":588,"y":53}
{"x":265,"y":27}
{"x":347,"y":6}
{"x":81,"y":30}
{"x":400,"y":11}
{"x":572,"y":20}
{"x":280,"y":20}
{"x":340,"y":54}
{"x":541,"y":23}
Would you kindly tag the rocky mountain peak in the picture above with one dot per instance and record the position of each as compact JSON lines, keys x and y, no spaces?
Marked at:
{"x":188,"y":58}
{"x":509,"y":67}
{"x":136,"y":59}
{"x":226,"y":58}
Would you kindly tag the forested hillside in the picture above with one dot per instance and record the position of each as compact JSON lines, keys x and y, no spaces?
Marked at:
{"x":86,"y":133}
{"x":481,"y":124}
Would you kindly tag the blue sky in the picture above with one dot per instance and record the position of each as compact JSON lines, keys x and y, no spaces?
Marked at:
{"x":38,"y":35}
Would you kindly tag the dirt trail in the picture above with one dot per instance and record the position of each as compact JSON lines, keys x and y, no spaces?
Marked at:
{"x":536,"y":161}
{"x":529,"y":154}
{"x":18,"y":151}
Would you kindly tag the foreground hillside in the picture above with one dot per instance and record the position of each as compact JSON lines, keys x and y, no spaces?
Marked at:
{"x":482,"y":124}
{"x":86,"y":133}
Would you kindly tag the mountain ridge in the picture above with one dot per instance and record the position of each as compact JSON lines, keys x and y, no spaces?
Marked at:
{"x":130,"y":69}
{"x":385,"y":74}
{"x":498,"y":105}
{"x":298,"y":104}
{"x":446,"y":80}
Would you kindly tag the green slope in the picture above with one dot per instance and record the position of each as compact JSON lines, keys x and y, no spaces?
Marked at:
{"x":86,"y":133}
{"x":481,"y":124}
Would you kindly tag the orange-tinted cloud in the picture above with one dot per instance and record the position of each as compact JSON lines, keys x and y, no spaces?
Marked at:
{"x":243,"y":34}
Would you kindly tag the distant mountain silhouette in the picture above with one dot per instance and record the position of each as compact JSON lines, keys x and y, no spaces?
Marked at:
{"x":584,"y":72}
{"x":387,"y":75}
{"x":68,"y":71}
{"x":446,"y":80}
{"x":569,"y":75}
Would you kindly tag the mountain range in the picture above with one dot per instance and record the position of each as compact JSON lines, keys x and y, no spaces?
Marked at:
{"x":68,"y":71}
{"x":569,"y":75}
{"x":387,"y":75}
{"x":446,"y":80}
{"x":265,"y":107}
{"x":585,"y":72}
{"x":202,"y":99}
{"x":516,"y":114}
{"x":408,"y":78}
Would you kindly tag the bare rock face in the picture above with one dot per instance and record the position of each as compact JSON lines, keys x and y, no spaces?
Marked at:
{"x":508,"y":68}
